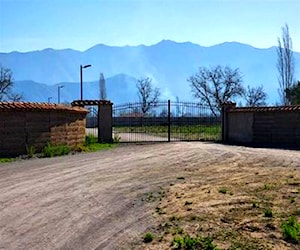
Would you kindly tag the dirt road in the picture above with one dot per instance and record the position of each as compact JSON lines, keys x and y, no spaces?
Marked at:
{"x":99,"y":200}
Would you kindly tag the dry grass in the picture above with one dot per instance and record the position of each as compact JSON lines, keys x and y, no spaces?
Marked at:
{"x":238,"y":206}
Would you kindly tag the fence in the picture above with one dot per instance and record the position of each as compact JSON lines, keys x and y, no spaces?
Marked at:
{"x":165,"y":121}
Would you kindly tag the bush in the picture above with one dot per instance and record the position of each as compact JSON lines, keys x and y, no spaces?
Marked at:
{"x":148,"y":237}
{"x":51,"y":151}
{"x":291,"y":230}
{"x":268,"y":213}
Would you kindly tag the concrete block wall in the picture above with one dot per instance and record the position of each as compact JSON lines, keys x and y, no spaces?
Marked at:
{"x":33,"y":124}
{"x":263,"y":126}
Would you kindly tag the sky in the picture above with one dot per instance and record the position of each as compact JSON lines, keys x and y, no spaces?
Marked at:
{"x":27,"y":25}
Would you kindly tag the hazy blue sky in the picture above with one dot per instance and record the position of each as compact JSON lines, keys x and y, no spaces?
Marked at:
{"x":27,"y":25}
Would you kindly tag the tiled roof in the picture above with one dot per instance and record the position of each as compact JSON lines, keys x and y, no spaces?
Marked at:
{"x":294,"y":108}
{"x":90,"y":102}
{"x":34,"y":106}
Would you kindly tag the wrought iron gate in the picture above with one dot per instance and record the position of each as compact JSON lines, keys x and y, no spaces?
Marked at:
{"x":165,"y":121}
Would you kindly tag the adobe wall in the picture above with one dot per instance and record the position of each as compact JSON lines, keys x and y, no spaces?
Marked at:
{"x":264,"y":126}
{"x":32,"y":124}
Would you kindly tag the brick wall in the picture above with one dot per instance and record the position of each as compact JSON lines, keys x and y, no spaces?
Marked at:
{"x":35,"y":124}
{"x":265,"y":126}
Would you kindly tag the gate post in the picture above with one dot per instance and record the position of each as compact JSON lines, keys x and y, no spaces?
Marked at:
{"x":225,"y":108}
{"x":105,"y":121}
{"x":169,"y":120}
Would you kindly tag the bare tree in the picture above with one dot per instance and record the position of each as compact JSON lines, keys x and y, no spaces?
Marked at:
{"x":6,"y":84}
{"x":147,"y":94}
{"x":255,"y":97}
{"x":285,"y":64}
{"x":216,"y":85}
{"x":102,"y":87}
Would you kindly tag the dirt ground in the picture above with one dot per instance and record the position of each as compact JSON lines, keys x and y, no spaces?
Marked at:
{"x":109,"y":199}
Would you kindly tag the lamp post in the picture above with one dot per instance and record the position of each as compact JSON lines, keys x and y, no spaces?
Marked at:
{"x":58,"y":93}
{"x":82,"y":67}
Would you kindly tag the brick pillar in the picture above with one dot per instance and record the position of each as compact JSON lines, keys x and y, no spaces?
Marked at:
{"x":225,"y":108}
{"x":105,"y":121}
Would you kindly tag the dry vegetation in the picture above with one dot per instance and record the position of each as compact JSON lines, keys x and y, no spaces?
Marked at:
{"x":239,"y":203}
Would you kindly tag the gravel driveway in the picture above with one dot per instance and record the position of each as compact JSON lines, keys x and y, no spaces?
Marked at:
{"x":95,"y":200}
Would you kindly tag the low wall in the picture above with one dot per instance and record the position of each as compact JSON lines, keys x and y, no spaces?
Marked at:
{"x":36,"y":124}
{"x":264,"y":126}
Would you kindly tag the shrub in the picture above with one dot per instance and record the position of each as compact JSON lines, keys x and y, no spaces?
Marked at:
{"x":51,"y":151}
{"x":291,"y":230}
{"x":148,"y":237}
{"x":268,"y":213}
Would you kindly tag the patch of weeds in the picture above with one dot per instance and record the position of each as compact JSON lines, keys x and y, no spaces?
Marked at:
{"x":268,"y":186}
{"x":188,"y":203}
{"x":293,"y":199}
{"x":291,"y":230}
{"x":297,"y":212}
{"x":188,"y":242}
{"x":52,"y":151}
{"x":268,"y":213}
{"x":159,"y":210}
{"x":3,"y":160}
{"x":117,"y":138}
{"x":148,"y":237}
{"x":177,"y":231}
{"x":223,"y":190}
{"x":294,"y":183}
{"x":255,"y":205}
{"x":30,"y":151}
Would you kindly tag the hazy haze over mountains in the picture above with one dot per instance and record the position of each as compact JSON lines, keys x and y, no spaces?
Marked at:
{"x":168,"y":63}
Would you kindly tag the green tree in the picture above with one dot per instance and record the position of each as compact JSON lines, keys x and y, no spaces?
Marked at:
{"x":6,"y":85}
{"x":293,"y":94}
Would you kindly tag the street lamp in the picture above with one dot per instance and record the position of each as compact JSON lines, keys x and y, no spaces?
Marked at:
{"x":58,"y":93}
{"x":82,"y":67}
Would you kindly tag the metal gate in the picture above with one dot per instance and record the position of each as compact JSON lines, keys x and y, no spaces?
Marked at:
{"x":165,"y":121}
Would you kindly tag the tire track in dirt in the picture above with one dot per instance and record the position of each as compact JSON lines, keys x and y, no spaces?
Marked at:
{"x":93,"y":200}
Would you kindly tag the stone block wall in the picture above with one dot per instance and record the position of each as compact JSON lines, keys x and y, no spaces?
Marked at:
{"x":36,"y":124}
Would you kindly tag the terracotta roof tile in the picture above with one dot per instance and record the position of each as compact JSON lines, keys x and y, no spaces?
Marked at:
{"x":34,"y":106}
{"x":90,"y":102}
{"x":294,"y":108}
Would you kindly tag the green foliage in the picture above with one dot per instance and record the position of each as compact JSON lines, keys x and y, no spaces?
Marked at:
{"x":268,"y":213}
{"x":52,"y":151}
{"x":189,"y":243}
{"x":293,"y":94}
{"x":291,"y":230}
{"x":3,"y":160}
{"x":148,"y":237}
{"x":30,"y":151}
{"x":223,"y":190}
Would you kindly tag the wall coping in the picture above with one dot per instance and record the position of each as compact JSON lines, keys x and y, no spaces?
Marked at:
{"x":39,"y":107}
{"x":82,"y":103}
{"x":292,"y":108}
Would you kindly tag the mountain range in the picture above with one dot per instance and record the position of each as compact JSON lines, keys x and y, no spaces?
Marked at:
{"x":169,"y":64}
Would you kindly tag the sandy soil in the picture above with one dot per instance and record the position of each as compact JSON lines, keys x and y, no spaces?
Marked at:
{"x":101,"y":200}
